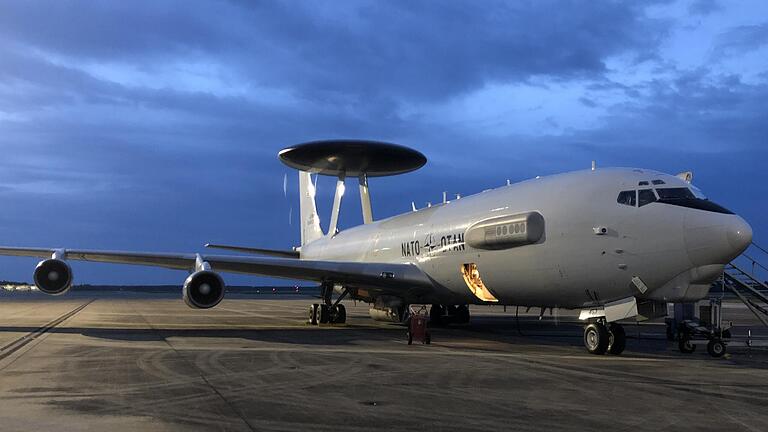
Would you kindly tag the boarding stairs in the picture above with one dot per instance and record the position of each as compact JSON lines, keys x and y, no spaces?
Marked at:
{"x":746,"y":277}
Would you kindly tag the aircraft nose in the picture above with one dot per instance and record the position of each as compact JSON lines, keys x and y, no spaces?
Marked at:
{"x":739,"y":235}
{"x":713,"y":238}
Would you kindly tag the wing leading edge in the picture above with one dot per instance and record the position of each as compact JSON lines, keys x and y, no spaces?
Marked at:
{"x":396,"y":278}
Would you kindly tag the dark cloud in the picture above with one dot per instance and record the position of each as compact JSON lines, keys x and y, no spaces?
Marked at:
{"x":742,"y":39}
{"x":351,"y":50}
{"x":704,"y":7}
{"x":588,"y":102}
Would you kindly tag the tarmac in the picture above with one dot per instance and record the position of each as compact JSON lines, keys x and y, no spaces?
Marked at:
{"x":131,"y":362}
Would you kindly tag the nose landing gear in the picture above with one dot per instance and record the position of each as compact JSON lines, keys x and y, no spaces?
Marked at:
{"x":601,"y":338}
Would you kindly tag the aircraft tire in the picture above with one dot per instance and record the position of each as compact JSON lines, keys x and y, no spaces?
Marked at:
{"x":313,"y":313}
{"x":617,"y":339}
{"x":596,"y":338}
{"x":436,"y":315}
{"x":338,"y":314}
{"x":684,"y":344}
{"x":716,"y":348}
{"x":323,"y":314}
{"x":462,"y":314}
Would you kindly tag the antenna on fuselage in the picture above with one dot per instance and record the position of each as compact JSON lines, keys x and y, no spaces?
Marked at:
{"x":594,"y":165}
{"x":351,"y":158}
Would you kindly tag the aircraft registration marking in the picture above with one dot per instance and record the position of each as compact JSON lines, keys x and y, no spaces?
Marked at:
{"x":450,"y":242}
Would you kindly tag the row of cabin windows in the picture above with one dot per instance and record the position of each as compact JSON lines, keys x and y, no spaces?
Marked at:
{"x":510,"y":229}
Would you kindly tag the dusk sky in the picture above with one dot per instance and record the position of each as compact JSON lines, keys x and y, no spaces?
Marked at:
{"x":155,"y":125}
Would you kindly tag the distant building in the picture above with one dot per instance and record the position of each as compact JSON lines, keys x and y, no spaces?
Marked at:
{"x":13,"y":286}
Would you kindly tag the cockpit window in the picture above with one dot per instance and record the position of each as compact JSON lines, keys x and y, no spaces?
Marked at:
{"x":684,"y":197}
{"x":643,"y":183}
{"x":626,"y":198}
{"x":675,"y":193}
{"x":645,"y":196}
{"x":697,"y":192}
{"x":658,"y":182}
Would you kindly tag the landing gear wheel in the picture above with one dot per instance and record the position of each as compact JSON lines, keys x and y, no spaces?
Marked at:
{"x":670,"y":331}
{"x":685,"y":345}
{"x":462,"y":314}
{"x":436,"y":315}
{"x":313,"y":313}
{"x":596,"y":338}
{"x":716,"y":348}
{"x":323,"y":314}
{"x":338,"y":314}
{"x":617,"y":339}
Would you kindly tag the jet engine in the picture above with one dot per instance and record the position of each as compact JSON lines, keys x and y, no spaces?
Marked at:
{"x":203,"y":289}
{"x":53,"y":276}
{"x":387,"y":314}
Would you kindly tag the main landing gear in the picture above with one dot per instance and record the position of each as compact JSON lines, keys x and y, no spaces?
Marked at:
{"x":601,"y":337}
{"x":328,"y":312}
{"x":442,"y":315}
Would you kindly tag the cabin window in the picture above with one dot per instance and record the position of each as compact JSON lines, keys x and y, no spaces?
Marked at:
{"x":627,"y":198}
{"x":645,"y":196}
{"x":675,"y":193}
{"x":475,"y":284}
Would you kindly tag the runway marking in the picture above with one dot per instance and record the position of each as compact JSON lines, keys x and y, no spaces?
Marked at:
{"x":258,"y":315}
{"x":19,"y":343}
{"x":447,"y":351}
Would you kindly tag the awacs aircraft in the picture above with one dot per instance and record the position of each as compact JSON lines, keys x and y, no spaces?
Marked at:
{"x":615,"y":243}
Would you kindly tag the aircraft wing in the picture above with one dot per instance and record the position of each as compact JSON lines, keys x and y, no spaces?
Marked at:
{"x":384,"y":276}
{"x":256,"y":251}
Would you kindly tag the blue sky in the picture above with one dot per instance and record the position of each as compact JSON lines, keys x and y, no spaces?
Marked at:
{"x":155,"y":125}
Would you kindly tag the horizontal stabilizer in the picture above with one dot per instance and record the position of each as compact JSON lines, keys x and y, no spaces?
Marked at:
{"x":256,"y":251}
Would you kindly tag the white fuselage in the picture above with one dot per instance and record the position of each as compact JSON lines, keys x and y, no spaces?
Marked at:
{"x":675,"y":251}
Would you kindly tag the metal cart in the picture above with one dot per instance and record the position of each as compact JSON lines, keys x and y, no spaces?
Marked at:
{"x":417,"y":326}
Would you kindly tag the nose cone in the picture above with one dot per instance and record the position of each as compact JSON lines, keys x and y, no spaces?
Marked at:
{"x":739,"y":235}
{"x":714,"y":238}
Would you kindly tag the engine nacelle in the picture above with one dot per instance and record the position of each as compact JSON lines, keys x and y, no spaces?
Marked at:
{"x":203,"y":289}
{"x":387,"y":314}
{"x":53,"y":276}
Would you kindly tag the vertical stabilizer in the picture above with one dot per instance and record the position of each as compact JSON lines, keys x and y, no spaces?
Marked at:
{"x":310,"y":221}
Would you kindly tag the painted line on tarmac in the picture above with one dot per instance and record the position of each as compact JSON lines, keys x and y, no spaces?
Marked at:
{"x":447,"y":351}
{"x":19,"y":343}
